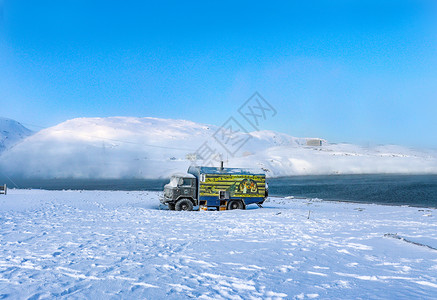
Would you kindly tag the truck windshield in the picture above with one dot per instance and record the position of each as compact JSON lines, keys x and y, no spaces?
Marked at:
{"x":175,"y":181}
{"x":187,"y":182}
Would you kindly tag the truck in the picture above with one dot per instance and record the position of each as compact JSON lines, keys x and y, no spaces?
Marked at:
{"x":215,"y":188}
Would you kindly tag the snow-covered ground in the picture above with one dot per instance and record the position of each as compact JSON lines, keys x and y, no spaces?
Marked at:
{"x":128,"y":147}
{"x":111,"y":244}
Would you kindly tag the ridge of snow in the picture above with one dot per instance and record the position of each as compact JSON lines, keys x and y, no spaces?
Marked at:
{"x":11,"y":132}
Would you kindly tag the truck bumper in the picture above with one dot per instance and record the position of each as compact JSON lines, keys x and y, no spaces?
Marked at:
{"x":165,"y":201}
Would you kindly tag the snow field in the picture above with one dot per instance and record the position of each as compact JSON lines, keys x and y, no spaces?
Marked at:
{"x":110,"y":244}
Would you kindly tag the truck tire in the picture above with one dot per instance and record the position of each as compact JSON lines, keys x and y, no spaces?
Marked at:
{"x":184,"y":204}
{"x":171,"y":206}
{"x":235,"y":204}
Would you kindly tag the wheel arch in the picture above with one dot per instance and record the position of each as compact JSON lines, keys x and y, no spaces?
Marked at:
{"x":241,"y":200}
{"x":186,"y":197}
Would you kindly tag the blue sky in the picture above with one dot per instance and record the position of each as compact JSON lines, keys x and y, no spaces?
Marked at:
{"x":349,"y":71}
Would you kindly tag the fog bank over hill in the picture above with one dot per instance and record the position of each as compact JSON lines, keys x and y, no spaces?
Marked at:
{"x":128,"y":147}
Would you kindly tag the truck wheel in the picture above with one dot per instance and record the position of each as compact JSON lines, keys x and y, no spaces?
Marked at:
{"x":235,"y":204}
{"x":184,"y":204}
{"x":171,"y":206}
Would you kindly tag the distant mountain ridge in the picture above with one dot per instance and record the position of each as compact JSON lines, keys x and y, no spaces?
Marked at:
{"x":11,"y":132}
{"x":128,"y":147}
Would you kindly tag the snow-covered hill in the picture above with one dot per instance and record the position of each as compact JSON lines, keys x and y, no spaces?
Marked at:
{"x":11,"y":132}
{"x":126,"y":147}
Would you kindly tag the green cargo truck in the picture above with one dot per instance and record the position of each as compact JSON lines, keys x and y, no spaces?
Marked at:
{"x":220,"y":188}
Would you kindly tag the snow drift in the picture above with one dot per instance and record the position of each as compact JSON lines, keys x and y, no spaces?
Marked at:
{"x":127,"y":147}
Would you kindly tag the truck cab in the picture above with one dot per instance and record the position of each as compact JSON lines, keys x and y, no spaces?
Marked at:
{"x":181,"y":192}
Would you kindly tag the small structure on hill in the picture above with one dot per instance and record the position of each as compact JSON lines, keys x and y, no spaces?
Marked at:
{"x":314,"y":142}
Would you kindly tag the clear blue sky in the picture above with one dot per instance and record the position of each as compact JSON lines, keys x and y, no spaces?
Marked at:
{"x":357,"y":71}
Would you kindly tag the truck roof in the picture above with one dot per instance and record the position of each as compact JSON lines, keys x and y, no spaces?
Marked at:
{"x":183,"y":175}
{"x":213,"y":170}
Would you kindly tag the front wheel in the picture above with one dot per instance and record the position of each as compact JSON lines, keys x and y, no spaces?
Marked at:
{"x":235,"y":204}
{"x":184,"y":204}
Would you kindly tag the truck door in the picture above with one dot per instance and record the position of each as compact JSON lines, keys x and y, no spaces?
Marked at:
{"x":188,"y":188}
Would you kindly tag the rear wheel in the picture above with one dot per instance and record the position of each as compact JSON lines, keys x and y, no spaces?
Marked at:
{"x":184,"y":204}
{"x":235,"y":204}
{"x":171,"y":206}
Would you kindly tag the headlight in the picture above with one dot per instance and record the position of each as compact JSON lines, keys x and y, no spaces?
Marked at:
{"x":168,"y":192}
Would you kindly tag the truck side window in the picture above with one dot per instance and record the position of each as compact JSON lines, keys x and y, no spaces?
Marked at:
{"x":187,"y":182}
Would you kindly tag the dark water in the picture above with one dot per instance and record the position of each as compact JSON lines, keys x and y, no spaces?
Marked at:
{"x":414,"y":190}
